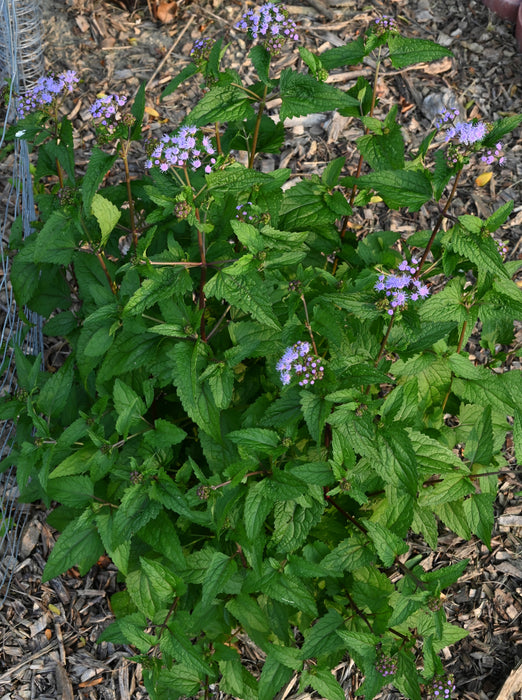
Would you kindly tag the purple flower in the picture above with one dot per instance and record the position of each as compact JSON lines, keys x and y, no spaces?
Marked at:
{"x":299,"y":361}
{"x":271,"y":24}
{"x":400,"y":288}
{"x":177,"y":150}
{"x":46,"y":90}
{"x":105,"y":109}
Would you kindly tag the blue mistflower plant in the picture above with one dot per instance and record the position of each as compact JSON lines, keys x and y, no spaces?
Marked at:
{"x":299,"y":361}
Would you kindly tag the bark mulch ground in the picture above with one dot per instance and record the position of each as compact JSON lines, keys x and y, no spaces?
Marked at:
{"x":48,"y":632}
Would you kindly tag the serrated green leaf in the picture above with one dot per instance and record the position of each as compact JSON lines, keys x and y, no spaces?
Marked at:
{"x":223,"y":103}
{"x":303,"y":94}
{"x":129,"y":408}
{"x":185,"y":73}
{"x":220,"y":569}
{"x":107,"y":215}
{"x":321,"y":638}
{"x":57,"y":240}
{"x":480,"y":515}
{"x":398,"y":188}
{"x":196,"y":397}
{"x":315,"y":412}
{"x":78,"y":545}
{"x":258,"y":505}
{"x":324,"y":682}
{"x":273,"y":677}
{"x":153,"y":587}
{"x":99,"y":165}
{"x":406,"y":51}
{"x":387,"y":545}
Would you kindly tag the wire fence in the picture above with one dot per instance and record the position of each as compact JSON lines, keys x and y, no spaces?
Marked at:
{"x":21,"y":63}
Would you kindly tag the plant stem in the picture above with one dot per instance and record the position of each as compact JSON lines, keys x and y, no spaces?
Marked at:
{"x":202,"y":282}
{"x":59,"y":172}
{"x":459,"y":348}
{"x":384,"y":341}
{"x":218,"y":139}
{"x":438,"y":224}
{"x":307,"y":324}
{"x":219,"y":322}
{"x":124,"y":154}
{"x":255,"y":135}
{"x":348,"y":516}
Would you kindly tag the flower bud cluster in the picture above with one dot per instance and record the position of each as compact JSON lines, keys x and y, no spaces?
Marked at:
{"x":386,"y":665}
{"x":47,"y":89}
{"x":271,"y":25}
{"x":442,"y":687}
{"x":201,"y":50}
{"x":182,"y":209}
{"x":399,"y":288}
{"x":299,"y":361}
{"x":386,"y":24}
{"x":185,"y":149}
{"x":502,"y":248}
{"x":493,"y":155}
{"x":106,"y":110}
{"x":248,"y":213}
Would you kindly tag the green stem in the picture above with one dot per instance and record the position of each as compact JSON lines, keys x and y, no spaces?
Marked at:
{"x":459,"y":348}
{"x":124,"y":154}
{"x":438,"y":224}
{"x":384,"y":341}
{"x":101,"y":259}
{"x":218,"y":139}
{"x":308,"y":325}
{"x":255,"y":135}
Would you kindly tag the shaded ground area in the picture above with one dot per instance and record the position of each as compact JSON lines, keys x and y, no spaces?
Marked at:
{"x":49,"y":631}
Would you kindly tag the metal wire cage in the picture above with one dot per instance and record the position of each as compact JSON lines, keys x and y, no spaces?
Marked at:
{"x":21,"y":63}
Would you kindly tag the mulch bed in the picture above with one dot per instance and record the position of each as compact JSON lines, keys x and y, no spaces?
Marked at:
{"x":49,"y":631}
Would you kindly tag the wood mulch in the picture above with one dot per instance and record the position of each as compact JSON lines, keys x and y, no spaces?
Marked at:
{"x":48,"y":632}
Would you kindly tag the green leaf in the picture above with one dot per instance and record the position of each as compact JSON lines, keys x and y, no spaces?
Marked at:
{"x":433,"y":457}
{"x":188,"y":71}
{"x":75,"y":491}
{"x":135,"y":511}
{"x":99,"y":165}
{"x":447,"y":304}
{"x":107,"y":216}
{"x":236,"y":179}
{"x":78,"y":545}
{"x":480,"y":514}
{"x":517,"y":433}
{"x":499,"y":217}
{"x":153,"y":587}
{"x":251,"y":617}
{"x":255,"y":439}
{"x":349,"y":55}
{"x":57,"y":240}
{"x":398,"y":465}
{"x":384,"y":150}
{"x":315,"y":411}
{"x":56,"y":391}
{"x":321,"y":638}
{"x":405,"y":51}
{"x":398,"y":188}
{"x":137,"y":111}
{"x":260,"y":58}
{"x":293,"y":522}
{"x":479,"y":447}
{"x":349,"y":555}
{"x":362,"y":647}
{"x":220,"y":569}
{"x":179,"y":645}
{"x":387,"y":545}
{"x":257,"y":508}
{"x":479,"y":249}
{"x":197,"y":400}
{"x":324,"y":682}
{"x":290,"y":591}
{"x":129,"y":407}
{"x":223,"y":103}
{"x":302,"y":94}
{"x":273,"y":677}
{"x":247,"y":293}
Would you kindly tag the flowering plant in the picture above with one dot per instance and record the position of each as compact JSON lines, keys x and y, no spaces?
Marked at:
{"x":262,"y":413}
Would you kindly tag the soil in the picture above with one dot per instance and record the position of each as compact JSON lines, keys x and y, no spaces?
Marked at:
{"x":49,"y":631}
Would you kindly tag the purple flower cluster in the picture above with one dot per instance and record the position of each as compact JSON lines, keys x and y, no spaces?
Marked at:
{"x":493,"y":155}
{"x":185,"y":149}
{"x":249,"y":213}
{"x":106,"y":109}
{"x":400,"y":288}
{"x":182,"y":209}
{"x":46,"y":90}
{"x":386,"y":24}
{"x":467,"y":133}
{"x":201,"y":49}
{"x":386,"y":665}
{"x":442,"y":687}
{"x":298,"y":360}
{"x":271,"y":24}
